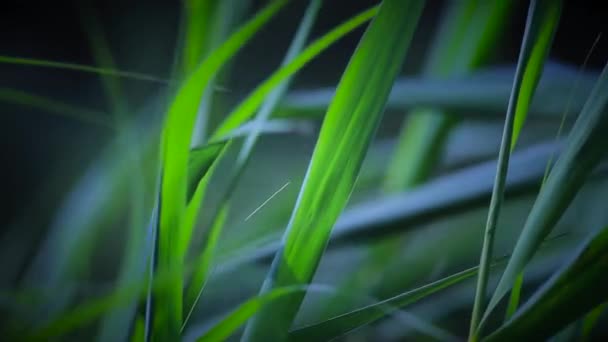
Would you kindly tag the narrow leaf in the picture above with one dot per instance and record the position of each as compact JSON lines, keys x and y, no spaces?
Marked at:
{"x":573,"y":291}
{"x":590,"y":321}
{"x":248,"y":108}
{"x":340,"y":325}
{"x":541,"y":24}
{"x":199,"y":162}
{"x":201,"y":274}
{"x":346,"y":132}
{"x":177,"y":134}
{"x":464,"y":39}
{"x":482,"y":94}
{"x":585,"y":147}
{"x":81,"y":68}
{"x":228,"y":325}
{"x":462,"y":190}
{"x":84,"y":115}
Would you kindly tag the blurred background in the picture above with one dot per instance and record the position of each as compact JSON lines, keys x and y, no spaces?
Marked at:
{"x":143,"y":36}
{"x":45,"y":155}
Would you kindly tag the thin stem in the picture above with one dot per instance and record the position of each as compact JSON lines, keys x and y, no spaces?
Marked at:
{"x":501,"y":175}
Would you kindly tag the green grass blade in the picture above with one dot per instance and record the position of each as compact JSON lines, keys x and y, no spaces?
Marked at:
{"x":228,"y":325}
{"x":210,"y":154}
{"x":206,"y":24}
{"x":543,"y":17}
{"x":138,"y":330}
{"x":585,"y":147}
{"x":467,"y":31}
{"x":204,"y":260}
{"x":87,"y":312}
{"x":59,"y":108}
{"x":273,"y":98}
{"x":200,"y":161}
{"x":248,"y":108}
{"x":570,"y":293}
{"x":514,"y":297}
{"x":342,"y":324}
{"x":198,"y":19}
{"x":464,"y":39}
{"x":543,"y":24}
{"x":346,"y":132}
{"x":590,"y":321}
{"x":81,"y":68}
{"x":201,"y":273}
{"x":177,"y":134}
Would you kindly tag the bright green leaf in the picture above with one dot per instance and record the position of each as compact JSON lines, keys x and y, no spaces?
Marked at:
{"x":177,"y":134}
{"x":346,"y":132}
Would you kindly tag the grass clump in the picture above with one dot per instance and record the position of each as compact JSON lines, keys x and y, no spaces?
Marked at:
{"x":374,"y":232}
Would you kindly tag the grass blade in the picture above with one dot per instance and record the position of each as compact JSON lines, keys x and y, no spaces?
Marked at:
{"x":340,"y":325}
{"x":200,"y":161}
{"x":87,"y":312}
{"x":515,"y":295}
{"x":177,"y":134}
{"x":82,"y":68}
{"x":59,"y":108}
{"x":248,"y":108}
{"x":216,"y":152}
{"x":345,"y":135}
{"x":543,"y":17}
{"x":424,"y":131}
{"x":198,"y":33}
{"x":570,"y":293}
{"x":460,"y":191}
{"x":590,"y":321}
{"x":473,"y":25}
{"x":228,"y":325}
{"x":483,"y":94}
{"x":584,"y":150}
{"x":516,"y":290}
{"x":205,"y":259}
{"x":207,"y":23}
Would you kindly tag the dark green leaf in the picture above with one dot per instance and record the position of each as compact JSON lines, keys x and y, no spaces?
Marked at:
{"x":573,"y":291}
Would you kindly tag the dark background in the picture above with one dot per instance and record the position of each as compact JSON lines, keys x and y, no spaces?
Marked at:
{"x":38,"y":148}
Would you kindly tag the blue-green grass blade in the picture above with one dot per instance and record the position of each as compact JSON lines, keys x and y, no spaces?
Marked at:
{"x":338,"y":326}
{"x":584,"y":149}
{"x":480,"y":95}
{"x":515,"y":295}
{"x":573,"y":291}
{"x":543,"y":17}
{"x":467,"y":34}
